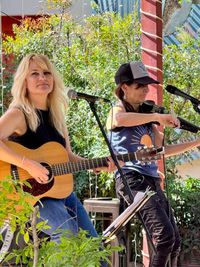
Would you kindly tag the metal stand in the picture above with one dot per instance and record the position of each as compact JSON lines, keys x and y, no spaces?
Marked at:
{"x":114,"y":229}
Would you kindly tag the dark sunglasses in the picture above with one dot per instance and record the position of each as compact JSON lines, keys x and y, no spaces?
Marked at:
{"x":139,"y":85}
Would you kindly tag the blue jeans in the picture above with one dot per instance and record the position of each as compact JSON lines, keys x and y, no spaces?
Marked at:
{"x":67,"y":214}
{"x":158,"y":218}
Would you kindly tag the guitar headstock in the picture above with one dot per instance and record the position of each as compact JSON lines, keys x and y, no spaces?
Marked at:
{"x":148,"y":154}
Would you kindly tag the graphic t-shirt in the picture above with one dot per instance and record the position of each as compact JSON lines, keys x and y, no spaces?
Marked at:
{"x":128,"y":139}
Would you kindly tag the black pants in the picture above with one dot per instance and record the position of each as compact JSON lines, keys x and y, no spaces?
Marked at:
{"x":158,"y":218}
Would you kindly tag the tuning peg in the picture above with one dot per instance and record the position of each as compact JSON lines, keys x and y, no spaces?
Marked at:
{"x":147,"y":149}
{"x":148,"y":162}
{"x":139,"y":147}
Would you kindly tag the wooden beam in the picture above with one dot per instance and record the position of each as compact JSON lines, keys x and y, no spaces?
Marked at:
{"x":151,"y":41}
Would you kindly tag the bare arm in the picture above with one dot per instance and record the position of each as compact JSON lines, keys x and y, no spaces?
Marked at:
{"x":158,"y":136}
{"x":172,"y":150}
{"x":118,"y":117}
{"x":11,"y":122}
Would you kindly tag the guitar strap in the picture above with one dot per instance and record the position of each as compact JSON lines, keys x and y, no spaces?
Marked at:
{"x":5,"y":231}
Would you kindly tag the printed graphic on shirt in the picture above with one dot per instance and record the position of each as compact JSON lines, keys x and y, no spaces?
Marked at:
{"x":141,"y":136}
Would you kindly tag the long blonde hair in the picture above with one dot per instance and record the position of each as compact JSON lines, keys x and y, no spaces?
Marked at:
{"x":56,"y":101}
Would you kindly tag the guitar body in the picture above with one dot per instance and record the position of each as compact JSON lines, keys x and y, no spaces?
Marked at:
{"x":50,"y":153}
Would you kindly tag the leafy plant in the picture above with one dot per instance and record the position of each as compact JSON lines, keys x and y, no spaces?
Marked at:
{"x":181,"y":70}
{"x":15,"y":206}
{"x":75,"y":250}
{"x":184,"y":196}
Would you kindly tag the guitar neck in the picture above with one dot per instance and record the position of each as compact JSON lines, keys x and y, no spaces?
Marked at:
{"x":87,"y":164}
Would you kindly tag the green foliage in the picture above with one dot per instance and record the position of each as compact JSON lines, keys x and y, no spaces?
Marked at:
{"x":182,"y":70}
{"x":20,"y":256}
{"x":14,"y":207}
{"x":87,"y":55}
{"x":62,"y":5}
{"x":75,"y":250}
{"x":184,"y":197}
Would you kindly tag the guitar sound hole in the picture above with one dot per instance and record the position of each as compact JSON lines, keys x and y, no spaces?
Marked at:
{"x":48,"y":167}
{"x":36,"y":188}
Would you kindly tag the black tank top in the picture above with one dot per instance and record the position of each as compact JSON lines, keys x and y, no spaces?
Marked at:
{"x":45,"y":132}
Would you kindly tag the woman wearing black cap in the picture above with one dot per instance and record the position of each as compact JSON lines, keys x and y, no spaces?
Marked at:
{"x":129,"y":129}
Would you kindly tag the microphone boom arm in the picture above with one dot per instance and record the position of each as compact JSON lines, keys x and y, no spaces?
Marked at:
{"x":175,"y":91}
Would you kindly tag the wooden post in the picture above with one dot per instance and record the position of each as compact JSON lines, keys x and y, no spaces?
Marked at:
{"x":151,"y":25}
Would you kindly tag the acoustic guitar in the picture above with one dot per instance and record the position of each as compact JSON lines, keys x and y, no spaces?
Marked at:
{"x":53,"y":156}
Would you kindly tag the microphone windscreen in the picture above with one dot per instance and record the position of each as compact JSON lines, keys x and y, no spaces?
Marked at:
{"x":171,"y":89}
{"x":188,"y":126}
{"x":72,"y":94}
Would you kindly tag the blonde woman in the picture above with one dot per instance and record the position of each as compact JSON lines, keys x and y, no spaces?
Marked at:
{"x":35,"y":117}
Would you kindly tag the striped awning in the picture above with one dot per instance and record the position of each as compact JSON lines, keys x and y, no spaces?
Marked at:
{"x":124,"y":7}
{"x":191,"y":25}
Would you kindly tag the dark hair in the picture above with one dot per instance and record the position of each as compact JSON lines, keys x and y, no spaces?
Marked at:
{"x":120,"y":94}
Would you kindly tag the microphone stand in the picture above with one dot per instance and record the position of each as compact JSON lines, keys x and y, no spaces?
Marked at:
{"x":126,"y":188}
{"x":197,"y":108}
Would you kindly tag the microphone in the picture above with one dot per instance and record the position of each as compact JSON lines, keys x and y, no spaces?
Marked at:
{"x":188,"y":126}
{"x":91,"y":98}
{"x":149,"y":107}
{"x":175,"y":91}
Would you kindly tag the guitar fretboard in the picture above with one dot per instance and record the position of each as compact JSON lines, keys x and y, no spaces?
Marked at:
{"x":71,"y":167}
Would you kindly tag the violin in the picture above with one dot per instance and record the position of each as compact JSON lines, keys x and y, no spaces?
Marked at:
{"x":149,"y":106}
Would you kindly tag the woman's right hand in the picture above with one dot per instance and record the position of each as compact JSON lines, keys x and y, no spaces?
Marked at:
{"x":168,"y":120}
{"x":36,"y":170}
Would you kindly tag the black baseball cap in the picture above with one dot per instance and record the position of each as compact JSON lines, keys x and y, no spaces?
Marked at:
{"x":133,"y":72}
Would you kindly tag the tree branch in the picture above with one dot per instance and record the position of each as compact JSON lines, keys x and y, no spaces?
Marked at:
{"x":170,"y":7}
{"x":36,"y":240}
